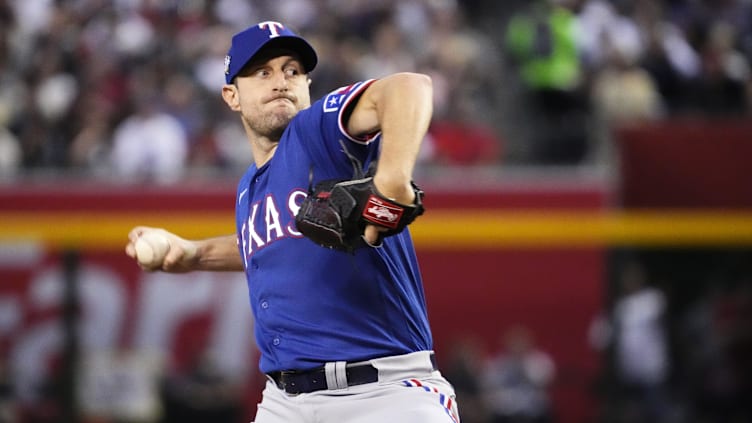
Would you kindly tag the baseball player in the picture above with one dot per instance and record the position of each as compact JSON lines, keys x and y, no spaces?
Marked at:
{"x":340,"y":319}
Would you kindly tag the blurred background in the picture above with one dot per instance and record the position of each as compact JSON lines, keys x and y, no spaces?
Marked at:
{"x":587,"y":251}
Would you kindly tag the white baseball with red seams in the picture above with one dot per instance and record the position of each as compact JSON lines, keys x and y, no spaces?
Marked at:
{"x":151,"y":248}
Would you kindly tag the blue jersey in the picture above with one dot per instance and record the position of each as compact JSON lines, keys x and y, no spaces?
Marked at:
{"x":311,"y":304}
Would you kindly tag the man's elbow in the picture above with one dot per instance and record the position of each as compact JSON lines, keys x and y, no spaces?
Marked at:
{"x":413,"y":80}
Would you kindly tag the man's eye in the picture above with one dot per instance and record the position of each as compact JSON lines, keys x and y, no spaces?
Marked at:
{"x":292,"y":71}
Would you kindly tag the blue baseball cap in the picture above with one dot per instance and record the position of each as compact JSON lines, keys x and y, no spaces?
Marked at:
{"x":250,"y":41}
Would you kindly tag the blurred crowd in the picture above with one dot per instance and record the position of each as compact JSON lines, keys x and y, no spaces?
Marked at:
{"x":130,"y":88}
{"x":676,"y":338}
{"x":589,"y":67}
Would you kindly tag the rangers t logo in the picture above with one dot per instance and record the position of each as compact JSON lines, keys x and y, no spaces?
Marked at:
{"x":273,"y":27}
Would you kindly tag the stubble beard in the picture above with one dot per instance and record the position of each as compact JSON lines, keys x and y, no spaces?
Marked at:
{"x":271,"y":125}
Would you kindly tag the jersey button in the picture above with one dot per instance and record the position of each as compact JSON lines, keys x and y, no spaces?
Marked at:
{"x":276,"y":341}
{"x":264,"y":305}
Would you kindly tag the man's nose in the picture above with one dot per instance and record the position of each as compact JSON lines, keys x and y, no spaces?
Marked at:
{"x":280,"y":81}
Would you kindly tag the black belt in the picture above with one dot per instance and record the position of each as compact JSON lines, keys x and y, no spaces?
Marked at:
{"x":303,"y":382}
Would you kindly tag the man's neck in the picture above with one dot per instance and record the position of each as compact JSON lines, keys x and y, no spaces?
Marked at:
{"x":263,"y":149}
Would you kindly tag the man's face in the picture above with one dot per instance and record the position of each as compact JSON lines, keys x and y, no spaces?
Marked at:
{"x":271,"y":90}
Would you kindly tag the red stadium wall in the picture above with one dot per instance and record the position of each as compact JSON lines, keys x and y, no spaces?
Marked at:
{"x":493,"y":255}
{"x":472,"y":292}
{"x":693,"y":164}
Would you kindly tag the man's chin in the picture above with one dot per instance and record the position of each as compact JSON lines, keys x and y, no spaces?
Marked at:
{"x":273,"y":125}
{"x":279,"y":127}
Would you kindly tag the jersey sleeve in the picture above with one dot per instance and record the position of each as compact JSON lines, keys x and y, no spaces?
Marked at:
{"x":322,"y":130}
{"x":341,"y":102}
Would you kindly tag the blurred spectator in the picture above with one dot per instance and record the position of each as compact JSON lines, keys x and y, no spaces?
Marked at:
{"x":230,"y":144}
{"x":386,"y":55}
{"x":208,"y":55}
{"x":517,"y":379}
{"x":90,"y":146}
{"x":722,"y":87}
{"x":734,"y":321}
{"x":202,"y":394}
{"x":10,"y":152}
{"x":667,"y":55}
{"x":464,"y":62}
{"x":710,"y":383}
{"x":641,"y":346}
{"x":543,"y":40}
{"x":465,"y":371}
{"x":622,"y":91}
{"x":337,"y":59}
{"x":149,"y":145}
{"x":8,"y":411}
{"x":121,"y":386}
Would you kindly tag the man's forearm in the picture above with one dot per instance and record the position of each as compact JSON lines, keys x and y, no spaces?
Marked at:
{"x":404,"y":109}
{"x":219,"y":254}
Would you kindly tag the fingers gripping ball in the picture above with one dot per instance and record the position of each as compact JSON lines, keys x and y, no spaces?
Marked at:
{"x":335,"y":213}
{"x":151,"y":249}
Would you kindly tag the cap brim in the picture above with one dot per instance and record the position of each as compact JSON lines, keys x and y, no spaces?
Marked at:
{"x":295,"y":44}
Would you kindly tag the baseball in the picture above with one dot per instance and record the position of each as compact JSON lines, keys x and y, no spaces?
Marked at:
{"x":151,"y":248}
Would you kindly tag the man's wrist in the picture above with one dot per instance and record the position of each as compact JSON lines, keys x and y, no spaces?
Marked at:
{"x":401,"y":192}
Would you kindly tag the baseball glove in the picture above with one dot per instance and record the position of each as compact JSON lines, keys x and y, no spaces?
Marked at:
{"x":336,"y":212}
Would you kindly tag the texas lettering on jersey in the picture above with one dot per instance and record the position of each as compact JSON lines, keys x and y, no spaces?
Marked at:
{"x":254,"y":238}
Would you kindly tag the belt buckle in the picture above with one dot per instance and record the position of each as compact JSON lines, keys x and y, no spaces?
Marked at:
{"x":294,"y":382}
{"x":284,"y":384}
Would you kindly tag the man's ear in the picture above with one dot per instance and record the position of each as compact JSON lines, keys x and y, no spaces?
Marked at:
{"x":231,"y":97}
